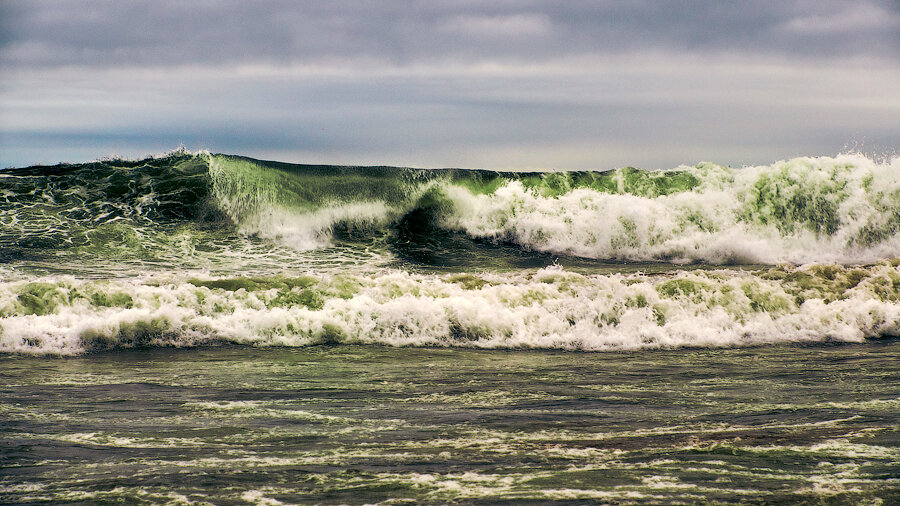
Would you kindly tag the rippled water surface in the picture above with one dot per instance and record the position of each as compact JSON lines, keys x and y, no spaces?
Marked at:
{"x":367,"y":424}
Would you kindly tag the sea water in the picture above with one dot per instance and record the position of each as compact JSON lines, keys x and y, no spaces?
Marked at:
{"x":217,"y":329}
{"x":366,"y":424}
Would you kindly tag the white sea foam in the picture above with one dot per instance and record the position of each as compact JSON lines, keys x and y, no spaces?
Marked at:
{"x":844,"y":209}
{"x":550,"y":308}
{"x":312,"y":230}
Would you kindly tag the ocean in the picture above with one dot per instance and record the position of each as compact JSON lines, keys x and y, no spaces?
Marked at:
{"x":214,"y":329}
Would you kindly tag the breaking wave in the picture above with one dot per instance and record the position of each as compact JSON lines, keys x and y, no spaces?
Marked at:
{"x":844,"y":209}
{"x":185,"y":250}
{"x":550,"y":308}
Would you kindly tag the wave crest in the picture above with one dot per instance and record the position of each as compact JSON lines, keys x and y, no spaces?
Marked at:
{"x":844,"y":209}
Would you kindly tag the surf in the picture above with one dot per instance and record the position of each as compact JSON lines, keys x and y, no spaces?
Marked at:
{"x":204,"y":249}
{"x":549,"y":308}
{"x":844,"y":209}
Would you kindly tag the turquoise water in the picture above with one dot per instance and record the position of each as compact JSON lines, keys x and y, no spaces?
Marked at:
{"x":213,"y":329}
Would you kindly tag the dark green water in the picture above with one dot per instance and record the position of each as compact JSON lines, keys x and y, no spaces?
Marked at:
{"x":367,"y":424}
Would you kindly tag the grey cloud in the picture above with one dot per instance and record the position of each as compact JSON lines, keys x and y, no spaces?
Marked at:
{"x":578,"y":84}
{"x":42,"y":33}
{"x":643,"y":115}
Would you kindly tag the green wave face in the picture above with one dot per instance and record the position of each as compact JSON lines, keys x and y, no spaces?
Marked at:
{"x":56,"y":203}
{"x":106,"y":211}
{"x":184,"y":208}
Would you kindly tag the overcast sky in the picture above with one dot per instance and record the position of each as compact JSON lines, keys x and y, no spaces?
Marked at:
{"x":499,"y":84}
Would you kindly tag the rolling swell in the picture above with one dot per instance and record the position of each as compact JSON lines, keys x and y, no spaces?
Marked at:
{"x":100,"y":206}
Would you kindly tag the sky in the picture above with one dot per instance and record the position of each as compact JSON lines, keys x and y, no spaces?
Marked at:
{"x":500,"y":84}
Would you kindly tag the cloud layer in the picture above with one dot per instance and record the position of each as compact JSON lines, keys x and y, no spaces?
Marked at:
{"x":499,"y":84}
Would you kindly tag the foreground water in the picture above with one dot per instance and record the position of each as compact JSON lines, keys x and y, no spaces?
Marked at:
{"x":361,"y":424}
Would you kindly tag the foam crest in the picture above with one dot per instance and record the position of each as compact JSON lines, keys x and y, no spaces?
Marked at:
{"x":549,"y":308}
{"x":844,"y":209}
